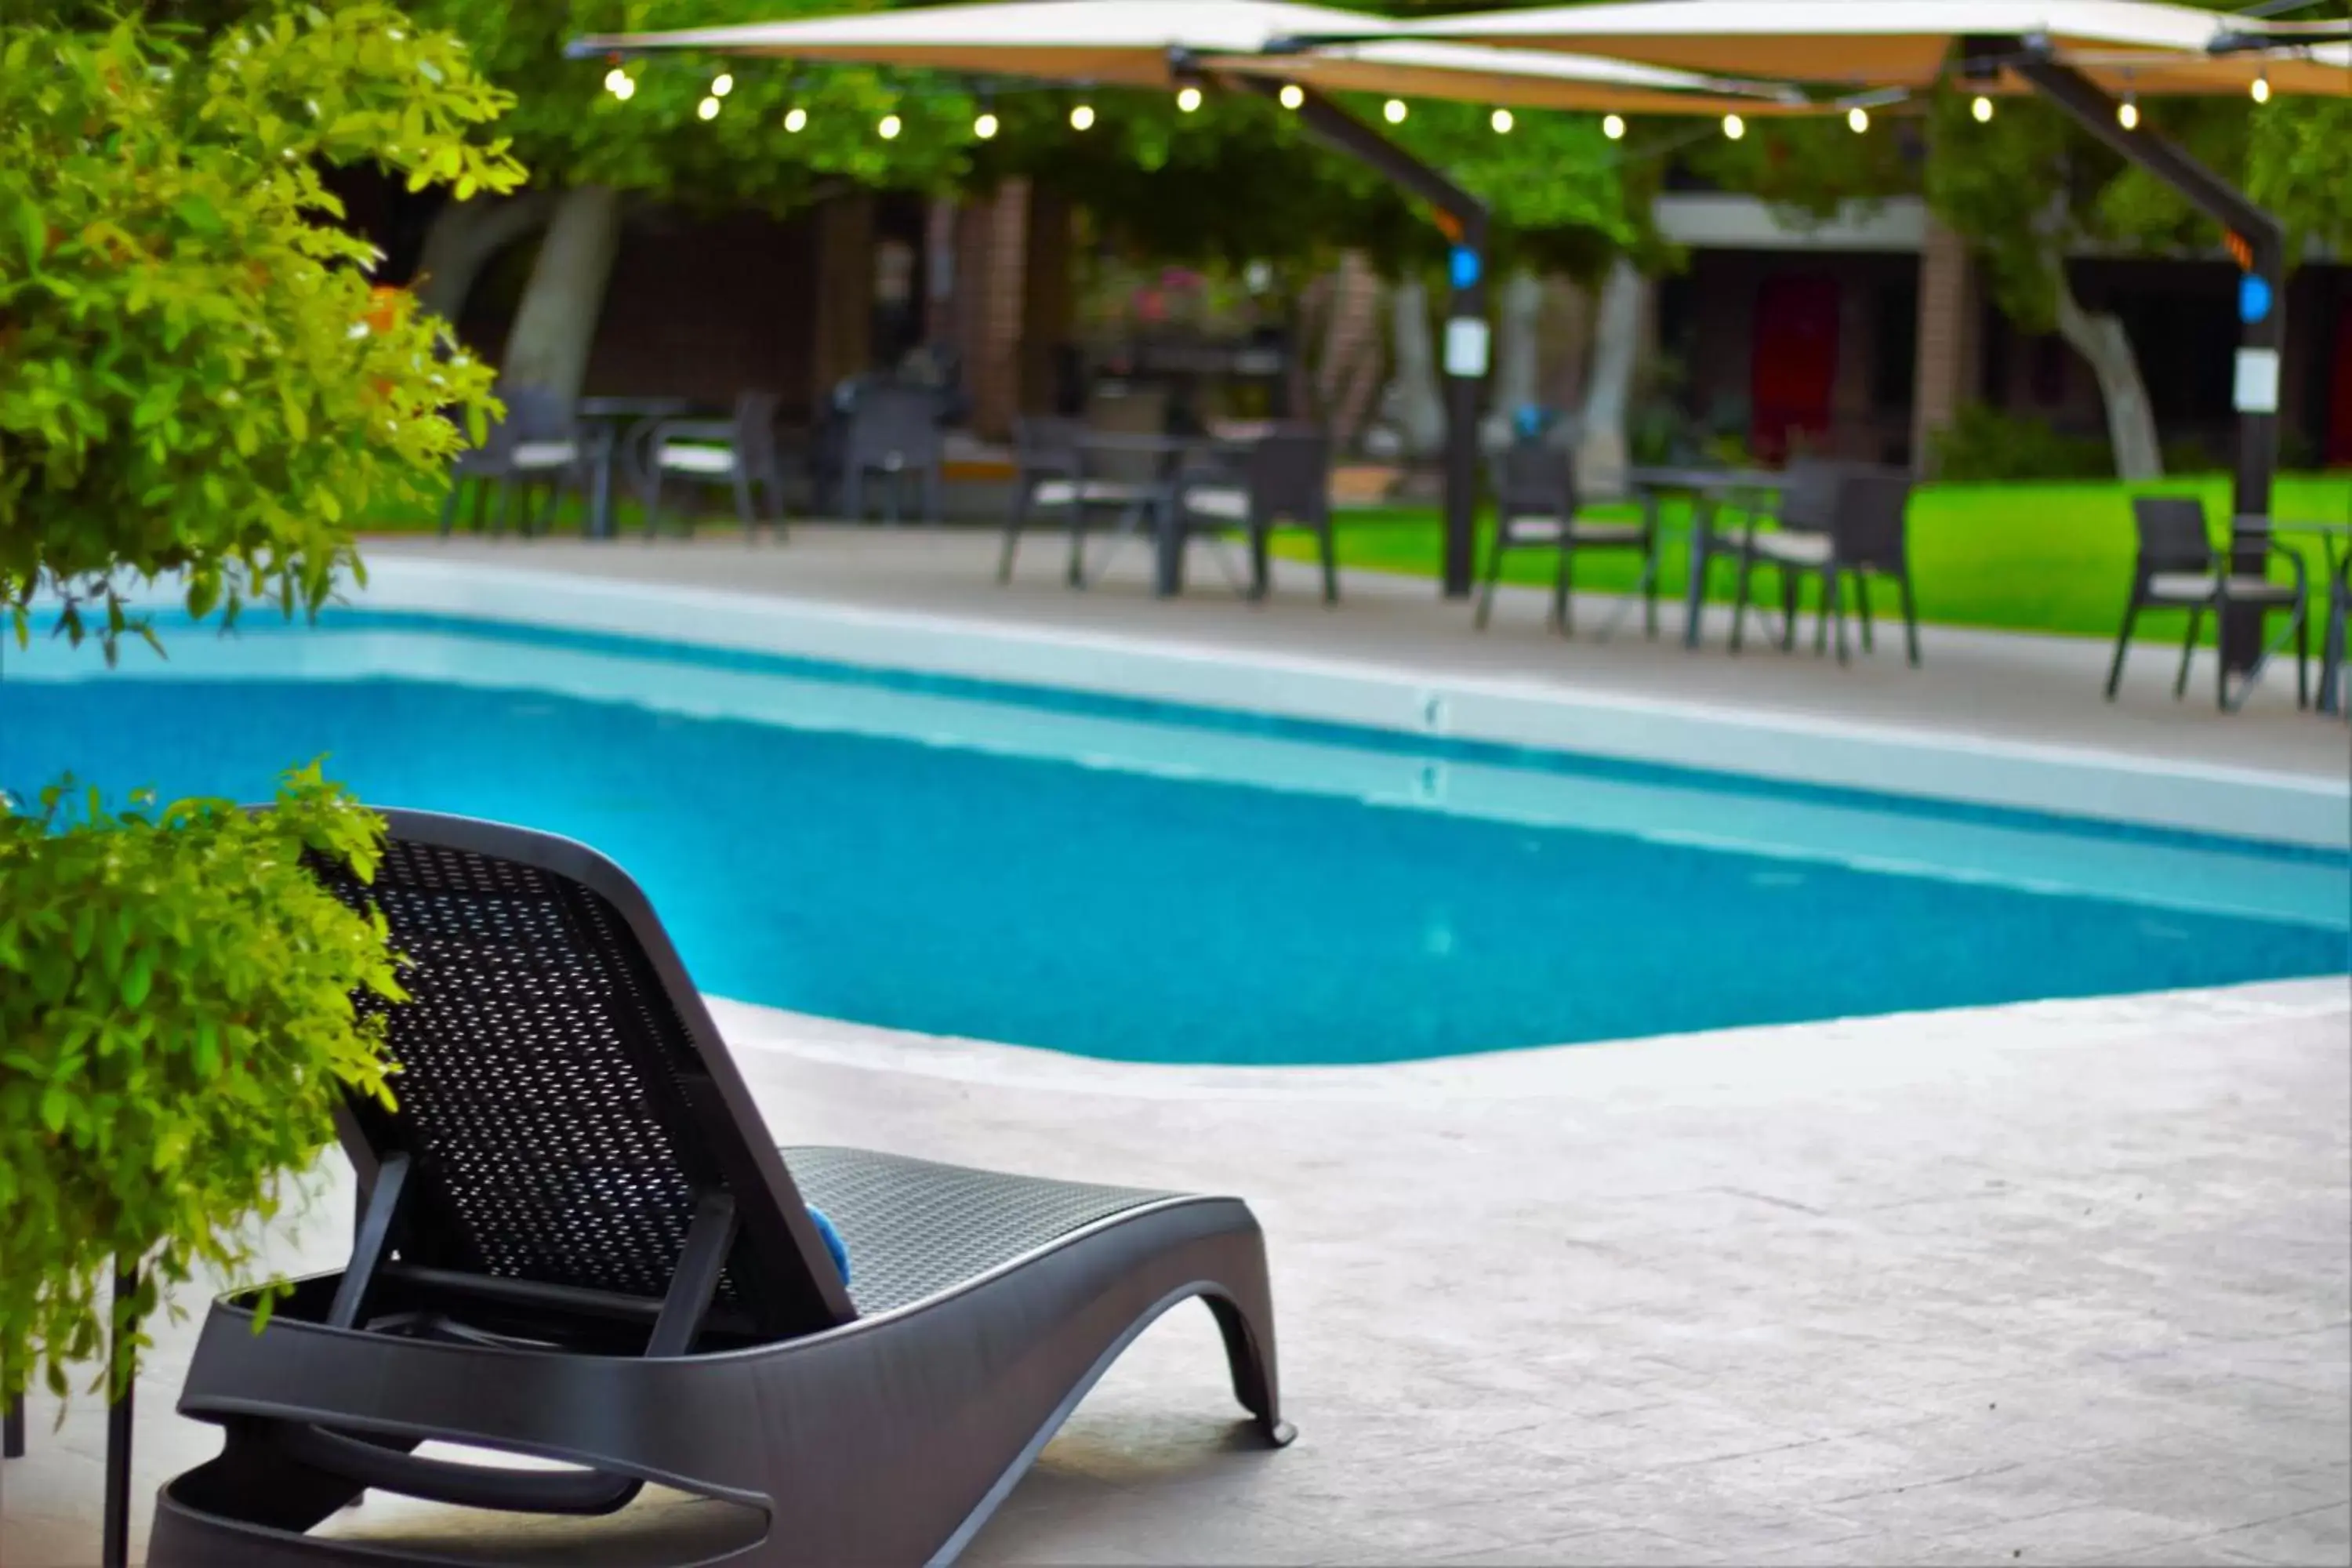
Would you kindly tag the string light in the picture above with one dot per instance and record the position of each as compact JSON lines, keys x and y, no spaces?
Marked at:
{"x":1501,"y":121}
{"x":1982,"y":110}
{"x":614,"y":78}
{"x":1613,"y":127}
{"x":889,"y":127}
{"x":985,"y":126}
{"x":1394,"y":111}
{"x":2128,"y":114}
{"x":1734,"y":127}
{"x":625,"y":89}
{"x":1188,"y":99}
{"x":721,"y":85}
{"x":1858,"y":119}
{"x":708,"y":108}
{"x":795,"y":120}
{"x":1082,"y":117}
{"x":1292,"y":95}
{"x":2261,"y":88}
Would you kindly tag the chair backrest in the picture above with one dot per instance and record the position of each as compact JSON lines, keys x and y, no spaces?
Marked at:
{"x":1809,"y":491}
{"x":895,"y":426}
{"x":1289,"y":473}
{"x":535,"y":414}
{"x":1534,"y":478}
{"x":1866,"y":517}
{"x":2172,"y":536}
{"x":1048,"y":444}
{"x":755,"y":427}
{"x":564,"y":1100}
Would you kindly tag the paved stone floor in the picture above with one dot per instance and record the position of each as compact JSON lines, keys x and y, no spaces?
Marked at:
{"x":2065,"y":1283}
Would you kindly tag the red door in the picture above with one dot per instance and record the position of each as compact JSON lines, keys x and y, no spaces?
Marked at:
{"x":2339,"y":393}
{"x":1793,"y":373}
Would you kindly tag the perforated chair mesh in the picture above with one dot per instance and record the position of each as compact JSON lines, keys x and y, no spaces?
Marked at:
{"x":538,"y":1091}
{"x":914,"y":1228}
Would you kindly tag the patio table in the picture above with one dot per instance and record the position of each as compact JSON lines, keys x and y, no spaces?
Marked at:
{"x":2338,"y":572}
{"x":1708,"y":489}
{"x":1160,"y":498}
{"x":607,"y":422}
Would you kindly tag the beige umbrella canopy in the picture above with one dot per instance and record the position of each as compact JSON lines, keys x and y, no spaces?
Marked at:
{"x":1146,"y":43}
{"x":2123,"y":46}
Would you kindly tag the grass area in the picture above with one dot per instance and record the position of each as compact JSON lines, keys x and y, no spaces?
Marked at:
{"x":2022,"y":557}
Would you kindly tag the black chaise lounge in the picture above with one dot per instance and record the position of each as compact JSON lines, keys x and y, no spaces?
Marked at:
{"x":573,"y":1243}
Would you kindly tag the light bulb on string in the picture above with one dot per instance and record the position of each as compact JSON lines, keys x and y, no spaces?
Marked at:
{"x":795,"y":120}
{"x":614,"y":78}
{"x":1858,"y":119}
{"x":626,"y":89}
{"x":1292,"y":95}
{"x":1502,"y":121}
{"x":1613,"y":127}
{"x":1188,"y":99}
{"x":889,"y":127}
{"x":708,"y":108}
{"x":985,"y":126}
{"x":1394,"y":111}
{"x":722,"y":84}
{"x":2261,"y":88}
{"x":1082,"y":117}
{"x":1982,"y":110}
{"x":1734,"y":127}
{"x":2128,"y":114}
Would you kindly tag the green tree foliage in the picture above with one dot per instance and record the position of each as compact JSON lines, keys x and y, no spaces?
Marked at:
{"x":175,"y":1034}
{"x":196,"y":376}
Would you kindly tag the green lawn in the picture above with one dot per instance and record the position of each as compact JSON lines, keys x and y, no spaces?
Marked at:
{"x":2024,"y":557}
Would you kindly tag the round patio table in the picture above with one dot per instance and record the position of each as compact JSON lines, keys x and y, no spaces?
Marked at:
{"x":608,"y":423}
{"x":1708,"y":489}
{"x":1175,"y":464}
{"x":2335,"y":543}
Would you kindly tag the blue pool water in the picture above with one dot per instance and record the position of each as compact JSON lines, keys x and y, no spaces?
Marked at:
{"x":1135,"y":882}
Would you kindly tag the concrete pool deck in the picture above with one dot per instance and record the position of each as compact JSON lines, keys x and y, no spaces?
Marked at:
{"x":1994,"y":718}
{"x":2061,"y":1282}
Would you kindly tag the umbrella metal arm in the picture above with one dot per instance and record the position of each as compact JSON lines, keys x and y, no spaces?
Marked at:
{"x":2260,"y":244}
{"x":1463,"y":219}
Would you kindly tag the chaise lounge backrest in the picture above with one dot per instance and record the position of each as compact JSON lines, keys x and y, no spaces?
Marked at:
{"x":564,"y":1101}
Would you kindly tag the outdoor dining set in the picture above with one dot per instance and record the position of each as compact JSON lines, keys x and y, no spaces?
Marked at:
{"x":1832,"y":526}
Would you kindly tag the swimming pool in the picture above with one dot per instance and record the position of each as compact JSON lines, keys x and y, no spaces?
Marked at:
{"x":1136,"y":880}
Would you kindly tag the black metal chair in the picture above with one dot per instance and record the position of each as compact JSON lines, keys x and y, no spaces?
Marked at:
{"x":534,"y":446}
{"x":1861,"y":534}
{"x":577,"y":1243}
{"x":1283,"y":479}
{"x":893,"y":431}
{"x":1052,"y":473}
{"x":1536,"y":503}
{"x":2179,"y":569}
{"x":739,"y":452}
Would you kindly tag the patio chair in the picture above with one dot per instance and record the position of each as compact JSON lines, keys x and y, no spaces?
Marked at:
{"x":575,"y":1243}
{"x":1863,"y":536}
{"x":737,"y":452}
{"x":536,"y":445}
{"x":2179,"y":569}
{"x":893,"y":431}
{"x":1052,"y":473}
{"x":1536,"y":502}
{"x":1283,"y":479}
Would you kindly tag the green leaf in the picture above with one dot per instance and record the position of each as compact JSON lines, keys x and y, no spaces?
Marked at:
{"x":138,"y":978}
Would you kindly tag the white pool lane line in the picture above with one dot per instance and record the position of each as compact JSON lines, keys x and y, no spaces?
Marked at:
{"x":1853,"y":835}
{"x":1918,"y":762}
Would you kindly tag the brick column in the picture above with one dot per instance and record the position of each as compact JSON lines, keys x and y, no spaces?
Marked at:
{"x":844,"y":291}
{"x":1048,"y":303}
{"x":1946,"y":368}
{"x":995,"y":255}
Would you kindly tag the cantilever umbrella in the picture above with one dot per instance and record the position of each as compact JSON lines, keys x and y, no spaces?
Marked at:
{"x":2122,"y":46}
{"x":1162,"y":43}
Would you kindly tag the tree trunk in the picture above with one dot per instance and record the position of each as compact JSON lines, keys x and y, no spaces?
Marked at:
{"x":463,"y":239}
{"x":1347,"y":378}
{"x":555,"y":326}
{"x":1415,"y":405}
{"x":1519,"y":317}
{"x":1601,"y":451}
{"x":2099,"y":337}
